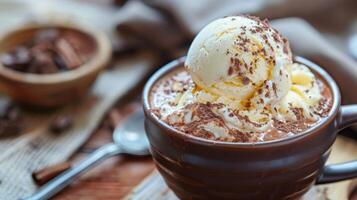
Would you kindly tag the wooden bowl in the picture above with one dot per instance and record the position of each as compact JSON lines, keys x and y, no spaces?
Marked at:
{"x":51,"y":90}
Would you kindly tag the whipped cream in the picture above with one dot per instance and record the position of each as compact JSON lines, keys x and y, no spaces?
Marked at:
{"x":241,"y":83}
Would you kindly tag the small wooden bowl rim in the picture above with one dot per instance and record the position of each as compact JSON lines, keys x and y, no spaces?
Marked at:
{"x":96,"y":63}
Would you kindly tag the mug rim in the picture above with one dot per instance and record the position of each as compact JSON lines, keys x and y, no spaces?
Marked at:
{"x":326,"y":78}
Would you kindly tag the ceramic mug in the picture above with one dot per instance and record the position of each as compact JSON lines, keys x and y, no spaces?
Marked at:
{"x":197,"y":168}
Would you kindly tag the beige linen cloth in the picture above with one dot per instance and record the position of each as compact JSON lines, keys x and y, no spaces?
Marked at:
{"x":149,"y":22}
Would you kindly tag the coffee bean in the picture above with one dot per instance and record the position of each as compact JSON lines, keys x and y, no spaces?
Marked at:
{"x":61,"y":124}
{"x":67,"y":54}
{"x":10,"y":123}
{"x":35,"y":143}
{"x":12,"y":113}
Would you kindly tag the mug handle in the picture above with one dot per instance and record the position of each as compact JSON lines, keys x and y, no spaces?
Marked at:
{"x":347,"y":170}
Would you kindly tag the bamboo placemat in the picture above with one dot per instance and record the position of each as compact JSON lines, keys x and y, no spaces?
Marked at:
{"x":344,"y":149}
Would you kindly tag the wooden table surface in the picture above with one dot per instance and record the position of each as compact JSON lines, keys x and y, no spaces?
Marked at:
{"x":114,"y":178}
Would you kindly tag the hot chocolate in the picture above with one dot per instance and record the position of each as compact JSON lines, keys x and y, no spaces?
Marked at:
{"x":240,"y":84}
{"x":207,"y":120}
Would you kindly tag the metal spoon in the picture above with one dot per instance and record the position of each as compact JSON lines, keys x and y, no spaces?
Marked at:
{"x":129,"y":138}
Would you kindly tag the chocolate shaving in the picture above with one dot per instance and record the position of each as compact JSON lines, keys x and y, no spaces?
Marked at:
{"x":245,"y":80}
{"x":230,"y":70}
{"x":275,"y":90}
{"x":323,"y":107}
{"x":290,"y":126}
{"x":205,"y":114}
{"x":251,"y":70}
{"x":267,"y":94}
{"x":286,"y":47}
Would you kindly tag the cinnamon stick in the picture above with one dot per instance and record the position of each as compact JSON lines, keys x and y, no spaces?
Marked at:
{"x":44,"y":175}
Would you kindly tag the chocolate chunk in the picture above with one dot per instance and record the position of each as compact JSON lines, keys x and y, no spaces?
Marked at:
{"x":83,"y":49}
{"x":43,"y":63}
{"x":67,"y":54}
{"x":17,"y":59}
{"x":61,"y":124}
{"x":50,"y":51}
{"x":59,"y":63}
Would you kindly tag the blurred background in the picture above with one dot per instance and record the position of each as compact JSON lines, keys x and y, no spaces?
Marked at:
{"x":166,"y":27}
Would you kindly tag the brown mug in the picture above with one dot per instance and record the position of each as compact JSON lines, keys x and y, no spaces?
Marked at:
{"x":197,"y":168}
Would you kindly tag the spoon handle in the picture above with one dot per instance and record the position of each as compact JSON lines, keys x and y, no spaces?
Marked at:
{"x":65,"y":178}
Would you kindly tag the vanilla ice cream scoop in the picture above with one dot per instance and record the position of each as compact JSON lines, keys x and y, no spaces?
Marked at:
{"x":244,"y":80}
{"x":241,"y":58}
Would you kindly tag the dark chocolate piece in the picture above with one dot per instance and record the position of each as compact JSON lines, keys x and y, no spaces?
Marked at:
{"x":61,"y":124}
{"x":50,"y":51}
